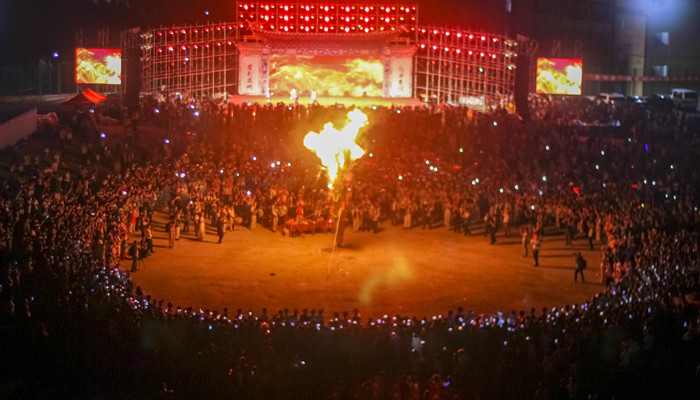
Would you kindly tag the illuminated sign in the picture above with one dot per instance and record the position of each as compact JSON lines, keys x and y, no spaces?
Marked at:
{"x":103,"y":66}
{"x":559,"y":76}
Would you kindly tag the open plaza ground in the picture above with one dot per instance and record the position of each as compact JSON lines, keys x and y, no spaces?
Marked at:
{"x":417,"y":272}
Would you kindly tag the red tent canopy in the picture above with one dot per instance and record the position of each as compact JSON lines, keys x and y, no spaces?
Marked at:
{"x":85,"y":98}
{"x":92,"y":95}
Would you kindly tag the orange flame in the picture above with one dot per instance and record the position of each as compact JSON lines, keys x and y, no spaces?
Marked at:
{"x":331,"y":145}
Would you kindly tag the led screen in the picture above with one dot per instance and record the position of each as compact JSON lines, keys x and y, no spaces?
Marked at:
{"x":559,"y":76}
{"x":98,"y":66}
{"x":328,"y":75}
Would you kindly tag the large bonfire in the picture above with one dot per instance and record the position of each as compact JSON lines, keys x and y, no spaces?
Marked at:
{"x":336,"y":150}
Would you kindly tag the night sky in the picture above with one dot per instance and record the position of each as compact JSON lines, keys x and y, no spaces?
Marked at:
{"x":31,"y":29}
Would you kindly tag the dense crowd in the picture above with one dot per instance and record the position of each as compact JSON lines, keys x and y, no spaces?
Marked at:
{"x":74,"y":325}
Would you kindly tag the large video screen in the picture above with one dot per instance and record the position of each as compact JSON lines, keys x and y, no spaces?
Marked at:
{"x":559,"y":76}
{"x":98,"y":66}
{"x":327,"y":75}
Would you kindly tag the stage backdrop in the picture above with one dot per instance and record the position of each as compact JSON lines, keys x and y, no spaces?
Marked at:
{"x":329,"y":75}
{"x":377,"y":72}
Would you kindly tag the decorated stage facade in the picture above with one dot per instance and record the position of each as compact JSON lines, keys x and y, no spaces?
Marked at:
{"x":329,"y":50}
{"x":348,"y":64}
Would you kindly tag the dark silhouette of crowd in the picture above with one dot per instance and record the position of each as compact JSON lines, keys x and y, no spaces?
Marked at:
{"x":623,"y":177}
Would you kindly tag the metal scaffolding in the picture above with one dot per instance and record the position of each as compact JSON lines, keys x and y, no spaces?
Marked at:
{"x":454,"y":66}
{"x":193,"y":60}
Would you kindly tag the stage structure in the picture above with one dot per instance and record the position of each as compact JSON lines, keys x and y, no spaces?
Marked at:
{"x":105,"y":39}
{"x":193,"y":60}
{"x":472,"y":68}
{"x":331,"y":49}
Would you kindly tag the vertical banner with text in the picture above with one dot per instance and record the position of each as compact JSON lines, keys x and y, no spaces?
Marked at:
{"x":401,"y":72}
{"x":249,"y":75}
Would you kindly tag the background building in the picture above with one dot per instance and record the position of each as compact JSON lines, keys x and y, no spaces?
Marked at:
{"x":633,"y":38}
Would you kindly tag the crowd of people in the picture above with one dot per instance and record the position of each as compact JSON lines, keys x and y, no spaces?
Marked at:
{"x":621,"y":177}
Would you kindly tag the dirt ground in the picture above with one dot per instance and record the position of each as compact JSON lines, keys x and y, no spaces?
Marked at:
{"x":396,"y":271}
